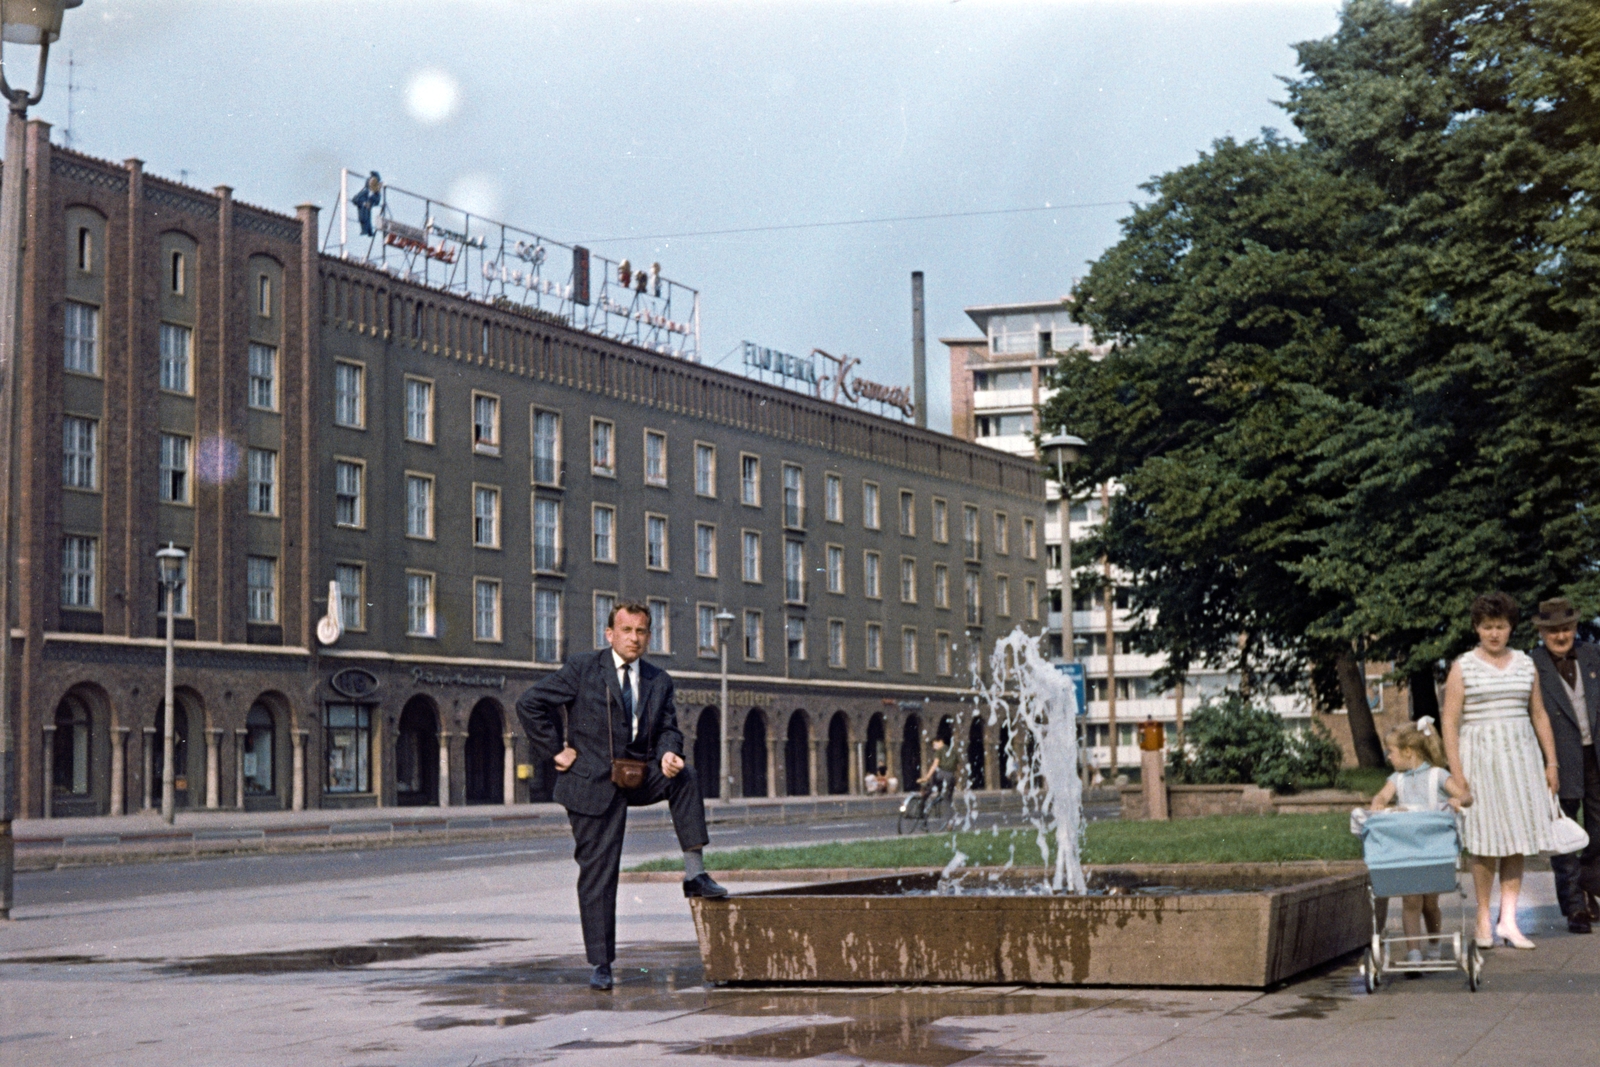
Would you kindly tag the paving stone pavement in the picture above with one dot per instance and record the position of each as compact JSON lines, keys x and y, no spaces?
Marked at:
{"x":484,"y":968}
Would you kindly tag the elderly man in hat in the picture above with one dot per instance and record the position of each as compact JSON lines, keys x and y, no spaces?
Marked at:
{"x":1569,"y":678}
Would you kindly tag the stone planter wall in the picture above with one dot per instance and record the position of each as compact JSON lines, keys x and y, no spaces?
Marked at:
{"x":1196,"y":801}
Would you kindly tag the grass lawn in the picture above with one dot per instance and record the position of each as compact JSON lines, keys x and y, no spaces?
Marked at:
{"x":1366,"y":780}
{"x":1221,"y":839}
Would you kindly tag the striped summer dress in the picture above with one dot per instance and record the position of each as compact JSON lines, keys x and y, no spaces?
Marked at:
{"x":1510,"y":812}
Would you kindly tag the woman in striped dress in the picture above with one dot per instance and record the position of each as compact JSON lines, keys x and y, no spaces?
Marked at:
{"x":1499,"y":745}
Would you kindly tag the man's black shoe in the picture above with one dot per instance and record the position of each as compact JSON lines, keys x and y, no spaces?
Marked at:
{"x":601,"y":978}
{"x":701,"y":885}
{"x":1580,"y":923}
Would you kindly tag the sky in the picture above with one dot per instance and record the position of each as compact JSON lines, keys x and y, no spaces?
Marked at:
{"x":611,"y":123}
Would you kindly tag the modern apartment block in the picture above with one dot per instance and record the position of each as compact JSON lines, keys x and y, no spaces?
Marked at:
{"x":480,"y":484}
{"x":998,"y":383}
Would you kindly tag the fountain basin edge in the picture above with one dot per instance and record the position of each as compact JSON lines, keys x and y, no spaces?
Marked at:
{"x":1240,"y":925}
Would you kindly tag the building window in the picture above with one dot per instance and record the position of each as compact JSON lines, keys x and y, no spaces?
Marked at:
{"x":176,"y":342}
{"x":705,"y":616}
{"x":833,"y":497}
{"x":419,"y":506}
{"x":79,"y":452}
{"x":869,"y":506}
{"x":655,"y":458}
{"x":419,"y":410}
{"x":486,"y":424}
{"x":908,"y":580}
{"x":485,"y":516}
{"x":85,"y":249}
{"x":972,"y":545}
{"x":349,"y":395}
{"x":603,"y":447}
{"x":751,"y":557}
{"x":546,"y":448}
{"x":419,"y":604}
{"x":547,"y":625}
{"x":604,"y":604}
{"x":974,"y":599}
{"x":603,"y":525}
{"x":180,"y":595}
{"x":263,"y":296}
{"x":941,"y":586}
{"x":178,"y":280}
{"x":262,"y":471}
{"x":348,"y":743}
{"x":1002,"y":533}
{"x":1002,"y":596}
{"x":874,"y":646}
{"x":836,"y":655}
{"x":908,"y":649}
{"x":705,"y":550}
{"x":485,"y":609}
{"x":83,"y":338}
{"x":352,"y":579}
{"x":705,"y":469}
{"x":263,"y":384}
{"x":261,"y":588}
{"x":547,"y":535}
{"x":1030,"y":597}
{"x":908,"y":513}
{"x":794,"y":572}
{"x":872,"y":575}
{"x":174,"y":469}
{"x":754,"y":640}
{"x":794,"y":497}
{"x":942,"y":657}
{"x":77,"y":572}
{"x":750,"y":480}
{"x":941,"y":521}
{"x":655,"y":542}
{"x":835,"y":568}
{"x":795,"y":637}
{"x":1030,"y":539}
{"x":347,"y":502}
{"x":660,"y":627}
{"x":1016,"y":425}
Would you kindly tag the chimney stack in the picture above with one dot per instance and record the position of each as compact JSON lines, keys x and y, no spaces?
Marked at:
{"x":919,"y":353}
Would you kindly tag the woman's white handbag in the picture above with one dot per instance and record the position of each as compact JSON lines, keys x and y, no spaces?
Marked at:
{"x":1566,"y":836}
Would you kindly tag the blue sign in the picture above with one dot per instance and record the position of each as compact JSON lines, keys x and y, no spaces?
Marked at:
{"x":1080,"y":688}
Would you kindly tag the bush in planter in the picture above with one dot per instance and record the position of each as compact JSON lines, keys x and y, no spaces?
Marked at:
{"x":1233,"y":741}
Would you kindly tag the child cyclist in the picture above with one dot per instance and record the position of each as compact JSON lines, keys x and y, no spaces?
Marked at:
{"x":1420,"y":783}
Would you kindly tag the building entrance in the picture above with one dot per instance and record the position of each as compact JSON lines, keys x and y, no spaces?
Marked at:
{"x":485,"y":755}
{"x":416,"y":755}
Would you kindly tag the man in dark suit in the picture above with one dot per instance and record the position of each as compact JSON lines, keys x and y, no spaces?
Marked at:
{"x":618,"y":706}
{"x":1569,"y":678}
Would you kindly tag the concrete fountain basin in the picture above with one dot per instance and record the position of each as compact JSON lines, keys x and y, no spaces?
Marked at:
{"x":1242,"y":925}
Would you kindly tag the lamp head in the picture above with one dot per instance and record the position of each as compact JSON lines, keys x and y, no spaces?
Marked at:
{"x":724,"y":623}
{"x":1062,"y":451}
{"x":171,"y":558}
{"x":33,"y":21}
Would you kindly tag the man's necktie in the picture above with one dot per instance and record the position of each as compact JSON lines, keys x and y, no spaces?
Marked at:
{"x":627,"y":700}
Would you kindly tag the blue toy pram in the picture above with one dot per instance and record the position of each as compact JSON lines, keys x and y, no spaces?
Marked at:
{"x":1412,"y":852}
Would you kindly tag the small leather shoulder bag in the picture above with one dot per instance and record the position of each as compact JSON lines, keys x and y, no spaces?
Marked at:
{"x":625,"y":773}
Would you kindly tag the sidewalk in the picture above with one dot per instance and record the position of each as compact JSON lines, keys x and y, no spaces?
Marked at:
{"x":43,"y":844}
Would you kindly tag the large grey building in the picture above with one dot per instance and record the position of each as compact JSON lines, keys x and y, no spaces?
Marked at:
{"x":481,"y":483}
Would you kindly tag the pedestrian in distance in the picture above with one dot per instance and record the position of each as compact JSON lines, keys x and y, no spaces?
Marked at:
{"x":622,"y":749}
{"x":1420,"y":783}
{"x":1498,"y":742}
{"x":1569,"y":678}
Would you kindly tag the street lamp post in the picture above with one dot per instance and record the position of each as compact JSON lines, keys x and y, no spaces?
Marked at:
{"x":724,"y":625}
{"x":1062,"y":451}
{"x":33,"y":22}
{"x":171,"y":559}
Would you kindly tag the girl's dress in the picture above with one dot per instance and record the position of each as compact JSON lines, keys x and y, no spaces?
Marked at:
{"x":1421,"y":788}
{"x":1510,"y":812}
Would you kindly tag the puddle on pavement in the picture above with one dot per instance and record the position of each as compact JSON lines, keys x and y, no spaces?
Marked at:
{"x":338,"y":957}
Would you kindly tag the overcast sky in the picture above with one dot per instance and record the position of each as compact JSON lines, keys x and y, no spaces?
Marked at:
{"x":589,"y":122}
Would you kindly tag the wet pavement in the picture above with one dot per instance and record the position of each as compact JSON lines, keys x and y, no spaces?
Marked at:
{"x":482,"y":968}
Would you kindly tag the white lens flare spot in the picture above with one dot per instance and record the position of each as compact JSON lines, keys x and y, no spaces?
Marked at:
{"x":432,"y":96}
{"x":478,"y":194}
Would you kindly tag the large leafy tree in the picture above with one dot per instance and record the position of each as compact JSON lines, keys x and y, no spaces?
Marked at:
{"x":1352,"y":380}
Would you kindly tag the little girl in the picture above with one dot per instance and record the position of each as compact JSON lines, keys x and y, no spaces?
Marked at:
{"x":1420,"y":783}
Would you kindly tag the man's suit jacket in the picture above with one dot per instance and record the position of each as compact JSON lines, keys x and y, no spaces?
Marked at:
{"x":582,"y":686}
{"x":1564,"y":717}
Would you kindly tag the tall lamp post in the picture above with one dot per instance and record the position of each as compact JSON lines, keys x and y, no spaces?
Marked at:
{"x":1062,"y":451}
{"x":724,"y":626}
{"x":171,"y":559}
{"x":36,"y":22}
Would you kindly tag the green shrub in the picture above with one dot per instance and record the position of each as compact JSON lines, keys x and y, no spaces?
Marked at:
{"x":1233,"y":741}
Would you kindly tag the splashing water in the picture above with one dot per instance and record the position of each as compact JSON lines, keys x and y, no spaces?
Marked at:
{"x":1032,"y":699}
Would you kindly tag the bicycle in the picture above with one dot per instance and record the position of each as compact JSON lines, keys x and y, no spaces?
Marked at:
{"x":917,"y":808}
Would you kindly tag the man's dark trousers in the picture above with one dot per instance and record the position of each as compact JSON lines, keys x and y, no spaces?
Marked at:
{"x":598,"y":849}
{"x":1578,"y":873}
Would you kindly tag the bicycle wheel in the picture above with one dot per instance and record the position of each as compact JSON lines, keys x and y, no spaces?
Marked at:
{"x":907,"y":819}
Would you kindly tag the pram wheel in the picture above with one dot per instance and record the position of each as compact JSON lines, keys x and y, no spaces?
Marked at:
{"x":1369,"y":971}
{"x":1474,"y":967}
